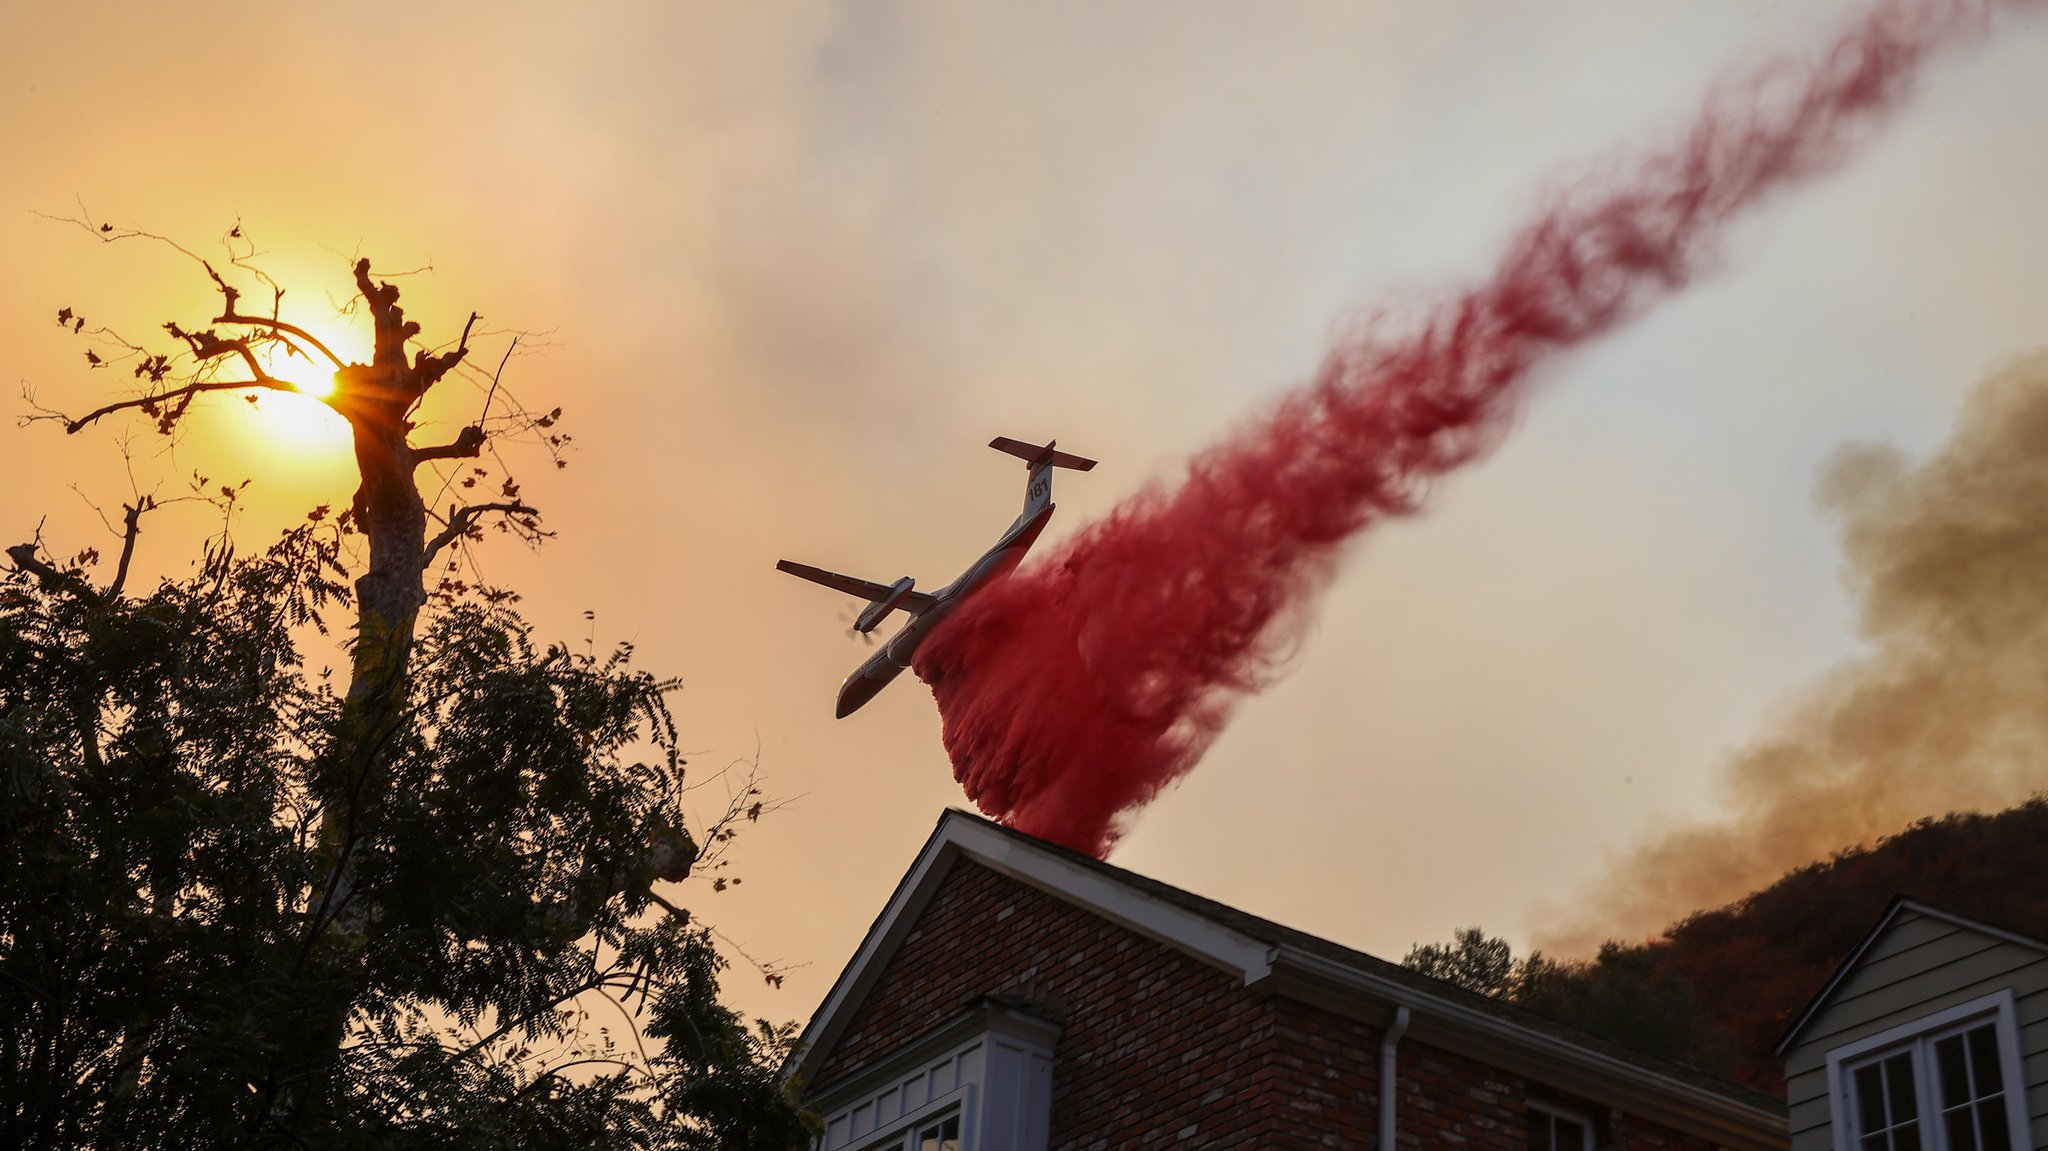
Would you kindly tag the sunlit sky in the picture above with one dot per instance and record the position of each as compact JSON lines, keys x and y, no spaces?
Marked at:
{"x":789,"y":266}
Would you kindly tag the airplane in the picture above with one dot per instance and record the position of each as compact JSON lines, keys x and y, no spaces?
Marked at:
{"x":926,"y":609}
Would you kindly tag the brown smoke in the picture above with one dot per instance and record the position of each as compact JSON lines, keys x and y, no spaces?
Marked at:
{"x":1947,"y":710}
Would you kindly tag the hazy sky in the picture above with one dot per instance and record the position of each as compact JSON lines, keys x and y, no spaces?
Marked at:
{"x":797,"y":263}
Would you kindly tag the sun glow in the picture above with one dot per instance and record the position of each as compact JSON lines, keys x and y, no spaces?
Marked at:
{"x":299,"y":420}
{"x":312,"y":377}
{"x":298,"y":423}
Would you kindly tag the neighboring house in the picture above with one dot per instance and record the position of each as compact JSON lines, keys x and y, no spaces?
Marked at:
{"x":1932,"y":1036}
{"x":1015,"y":996}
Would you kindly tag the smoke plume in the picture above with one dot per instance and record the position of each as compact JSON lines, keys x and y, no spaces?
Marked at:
{"x":1074,"y":692}
{"x":1947,"y":709}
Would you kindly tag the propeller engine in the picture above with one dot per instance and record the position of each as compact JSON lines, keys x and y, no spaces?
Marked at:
{"x":880,"y":609}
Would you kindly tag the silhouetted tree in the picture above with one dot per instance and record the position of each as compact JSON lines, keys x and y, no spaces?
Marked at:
{"x":1473,"y":960}
{"x":1625,"y":995}
{"x":1622,"y":995}
{"x":241,"y":908}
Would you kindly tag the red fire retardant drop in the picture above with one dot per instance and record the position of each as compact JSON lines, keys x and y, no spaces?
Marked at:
{"x":1076,"y":690}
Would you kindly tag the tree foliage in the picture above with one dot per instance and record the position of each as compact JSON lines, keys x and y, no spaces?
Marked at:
{"x":163,"y":943}
{"x":1472,"y":959}
{"x":1620,"y":995}
{"x":243,"y":904}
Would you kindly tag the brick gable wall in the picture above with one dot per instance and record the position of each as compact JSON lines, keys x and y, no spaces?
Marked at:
{"x":1158,"y":1047}
{"x":1161,"y":1048}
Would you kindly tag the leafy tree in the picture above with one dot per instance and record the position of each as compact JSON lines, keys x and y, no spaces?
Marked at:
{"x":1473,"y":960}
{"x":1623,"y":994}
{"x":240,"y":907}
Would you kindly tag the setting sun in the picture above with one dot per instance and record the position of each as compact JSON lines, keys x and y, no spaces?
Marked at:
{"x":313,"y":377}
{"x":300,"y":420}
{"x":297,"y":422}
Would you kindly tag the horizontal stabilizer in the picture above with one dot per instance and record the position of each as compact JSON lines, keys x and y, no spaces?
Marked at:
{"x":1036,"y":454}
{"x":913,"y":602}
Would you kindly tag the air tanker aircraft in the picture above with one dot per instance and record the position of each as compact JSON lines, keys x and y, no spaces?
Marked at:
{"x":927,"y":609}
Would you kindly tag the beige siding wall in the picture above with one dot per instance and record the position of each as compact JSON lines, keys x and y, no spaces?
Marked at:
{"x":1920,"y":965}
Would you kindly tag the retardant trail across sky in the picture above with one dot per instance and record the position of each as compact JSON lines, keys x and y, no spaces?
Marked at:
{"x":1075,"y":691}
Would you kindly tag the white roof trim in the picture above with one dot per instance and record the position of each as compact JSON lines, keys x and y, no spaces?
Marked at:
{"x":1250,"y":959}
{"x":1884,"y":924}
{"x":960,"y":835}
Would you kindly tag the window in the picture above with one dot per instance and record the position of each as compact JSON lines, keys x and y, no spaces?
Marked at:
{"x":1967,"y":1080}
{"x":943,"y":1136}
{"x":1888,"y":1104}
{"x":938,"y":1135}
{"x":1551,"y":1129}
{"x":1971,"y":1090}
{"x":1945,"y":1083}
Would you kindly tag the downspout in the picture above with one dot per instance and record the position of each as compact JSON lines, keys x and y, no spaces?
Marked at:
{"x":1393,"y":1038}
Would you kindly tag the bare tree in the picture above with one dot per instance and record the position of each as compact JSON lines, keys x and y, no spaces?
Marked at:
{"x":378,"y":398}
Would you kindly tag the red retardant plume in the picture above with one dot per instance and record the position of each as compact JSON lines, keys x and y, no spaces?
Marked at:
{"x":1076,"y":690}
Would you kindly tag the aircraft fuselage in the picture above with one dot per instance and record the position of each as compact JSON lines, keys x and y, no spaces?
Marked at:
{"x":928,"y":610}
{"x":895,"y":656}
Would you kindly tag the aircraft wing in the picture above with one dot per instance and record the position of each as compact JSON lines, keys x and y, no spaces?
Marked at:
{"x":865,"y":589}
{"x":914,"y":602}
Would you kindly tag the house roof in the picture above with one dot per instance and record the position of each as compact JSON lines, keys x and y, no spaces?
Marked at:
{"x":1884,"y":924}
{"x":1289,"y":962}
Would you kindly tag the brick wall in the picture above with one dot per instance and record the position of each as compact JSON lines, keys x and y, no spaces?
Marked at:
{"x":1445,"y":1100}
{"x":1160,"y":1048}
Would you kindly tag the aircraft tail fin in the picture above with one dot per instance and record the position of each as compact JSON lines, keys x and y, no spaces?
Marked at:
{"x":1041,"y":459}
{"x":1035,"y":454}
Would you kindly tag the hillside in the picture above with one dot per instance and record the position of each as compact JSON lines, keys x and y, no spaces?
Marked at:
{"x":1754,"y":965}
{"x":1719,"y":988}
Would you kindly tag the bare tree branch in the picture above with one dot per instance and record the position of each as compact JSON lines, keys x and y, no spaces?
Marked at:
{"x":430,"y":368}
{"x":108,"y":233}
{"x":207,"y":346}
{"x":393,"y":330}
{"x":52,"y":578}
{"x":228,"y":315}
{"x":131,"y":526}
{"x":467,"y":445}
{"x":184,"y":393}
{"x":772,"y":971}
{"x":461,"y":519}
{"x":496,"y":376}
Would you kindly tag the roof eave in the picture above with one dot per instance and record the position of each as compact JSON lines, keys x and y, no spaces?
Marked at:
{"x":1442,"y":1022}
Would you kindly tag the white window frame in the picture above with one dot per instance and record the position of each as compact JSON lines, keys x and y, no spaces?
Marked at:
{"x":2000,"y":1008}
{"x":952,"y":1105}
{"x":1584,"y":1120}
{"x":988,"y":1054}
{"x":959,"y":1101}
